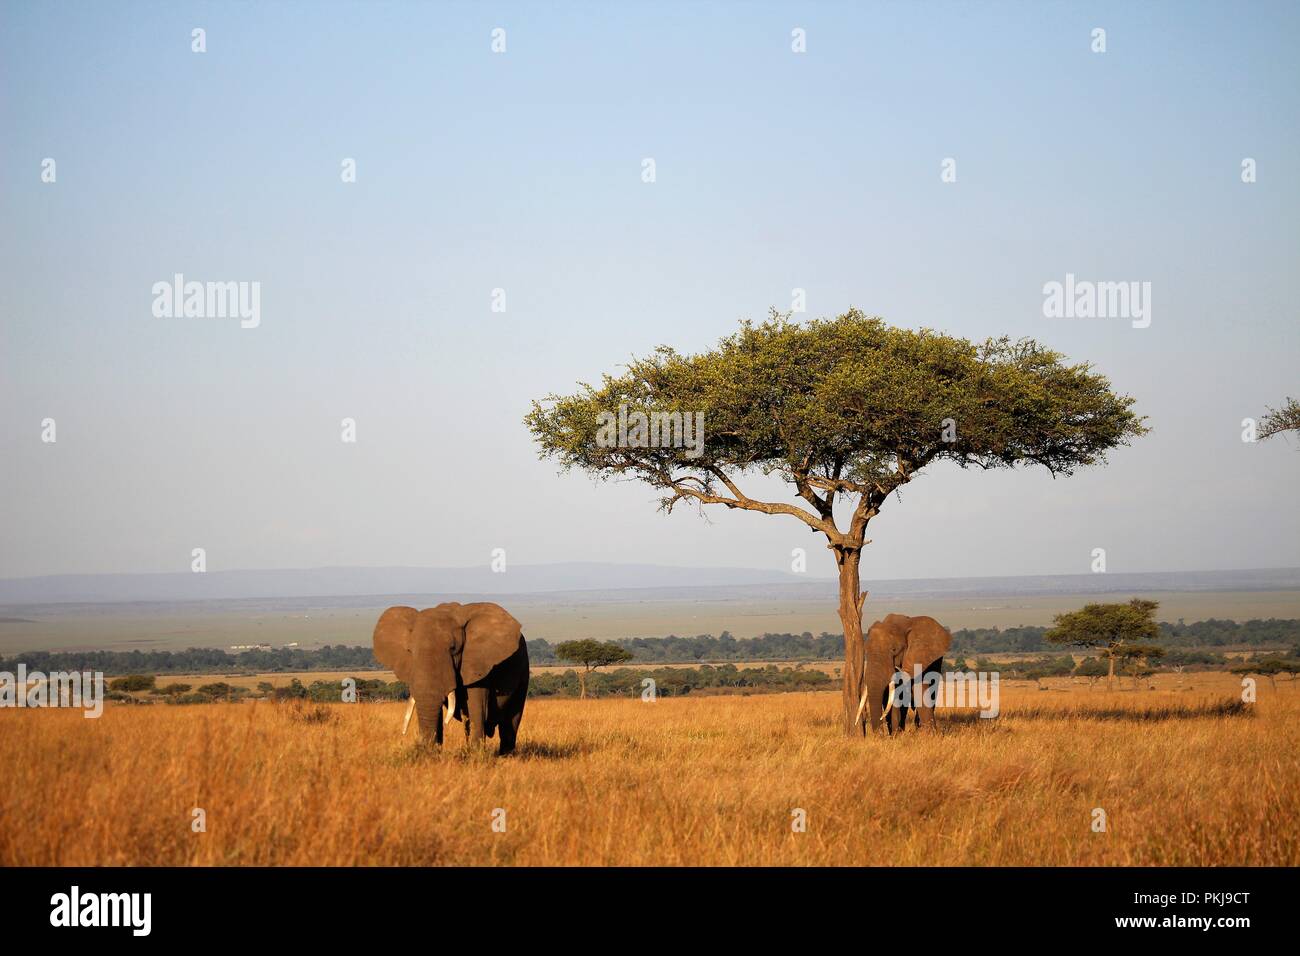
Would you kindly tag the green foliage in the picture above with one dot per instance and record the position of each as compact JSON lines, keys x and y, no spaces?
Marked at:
{"x":679,"y":681}
{"x":1106,"y":625}
{"x":993,"y":640}
{"x":1092,"y":667}
{"x":1137,"y":658}
{"x":201,"y":660}
{"x":1278,"y":420}
{"x":172,"y":690}
{"x":196,"y":698}
{"x":1269,"y":667}
{"x":1035,"y":668}
{"x":843,"y":399}
{"x":295,"y":691}
{"x":1180,"y":658}
{"x":592,"y":654}
{"x":132,"y":682}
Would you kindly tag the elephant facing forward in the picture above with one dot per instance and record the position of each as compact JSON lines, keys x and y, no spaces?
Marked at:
{"x":461,"y":661}
{"x":912,"y":645}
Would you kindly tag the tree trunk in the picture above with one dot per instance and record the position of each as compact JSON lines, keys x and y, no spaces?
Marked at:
{"x":1110,"y":678}
{"x":851,"y":598}
{"x":582,"y":683}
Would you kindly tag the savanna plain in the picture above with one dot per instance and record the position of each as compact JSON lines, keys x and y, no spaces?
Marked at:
{"x":1184,"y":773}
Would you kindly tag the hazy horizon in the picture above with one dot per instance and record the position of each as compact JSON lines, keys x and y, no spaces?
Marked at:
{"x":582,"y":581}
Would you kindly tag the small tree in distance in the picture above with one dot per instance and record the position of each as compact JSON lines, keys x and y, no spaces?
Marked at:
{"x":1267,"y":668}
{"x":590,"y":655}
{"x":1091,"y":668}
{"x":846,"y":411}
{"x":1111,"y":628}
{"x":1138,"y":658}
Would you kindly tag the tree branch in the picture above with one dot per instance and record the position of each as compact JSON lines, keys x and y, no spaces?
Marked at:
{"x":740,"y":500}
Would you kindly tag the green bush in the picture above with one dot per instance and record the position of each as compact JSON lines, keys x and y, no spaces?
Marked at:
{"x":132,"y":682}
{"x":199,"y":698}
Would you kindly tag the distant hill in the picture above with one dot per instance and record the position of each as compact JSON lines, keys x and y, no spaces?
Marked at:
{"x":335,"y":582}
{"x":590,"y":581}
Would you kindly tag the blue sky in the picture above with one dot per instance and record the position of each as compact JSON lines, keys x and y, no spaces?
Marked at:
{"x":522,"y":171}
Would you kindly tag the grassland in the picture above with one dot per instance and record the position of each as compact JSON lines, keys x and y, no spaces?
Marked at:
{"x":1182,"y":780}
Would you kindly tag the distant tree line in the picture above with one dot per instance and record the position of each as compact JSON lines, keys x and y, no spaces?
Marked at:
{"x":144,"y":689}
{"x":1271,"y":633}
{"x":624,"y":682}
{"x":199,"y":660}
{"x":679,"y":681}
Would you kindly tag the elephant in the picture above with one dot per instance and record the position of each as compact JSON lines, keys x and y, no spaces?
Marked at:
{"x":461,"y":661}
{"x":913,"y":645}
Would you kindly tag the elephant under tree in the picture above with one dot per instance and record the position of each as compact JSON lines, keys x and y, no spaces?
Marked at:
{"x":461,"y":662}
{"x":913,"y":645}
{"x":844,"y":411}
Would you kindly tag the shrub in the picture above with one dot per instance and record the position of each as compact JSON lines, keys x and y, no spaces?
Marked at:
{"x":132,"y":682}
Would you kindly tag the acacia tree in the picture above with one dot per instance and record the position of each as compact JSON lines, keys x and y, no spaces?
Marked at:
{"x":591,"y":655}
{"x":1091,"y":668}
{"x":1138,"y":659}
{"x":846,"y":411}
{"x":1117,"y":630}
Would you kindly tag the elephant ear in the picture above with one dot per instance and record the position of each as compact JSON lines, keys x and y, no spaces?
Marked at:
{"x":927,"y":642}
{"x":393,"y":640}
{"x":491,"y":635}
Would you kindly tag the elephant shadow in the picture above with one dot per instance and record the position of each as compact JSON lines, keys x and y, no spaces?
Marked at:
{"x":540,"y":750}
{"x":423,"y":753}
{"x":970,"y":717}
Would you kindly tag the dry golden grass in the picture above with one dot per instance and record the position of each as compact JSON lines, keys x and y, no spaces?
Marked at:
{"x":712,"y":780}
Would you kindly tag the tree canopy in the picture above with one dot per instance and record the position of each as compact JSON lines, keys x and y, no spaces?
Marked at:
{"x":844,"y":406}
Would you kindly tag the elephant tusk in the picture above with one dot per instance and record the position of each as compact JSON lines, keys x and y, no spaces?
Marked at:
{"x":889,"y":703}
{"x":451,"y":708}
{"x":861,"y":704}
{"x":410,"y":709}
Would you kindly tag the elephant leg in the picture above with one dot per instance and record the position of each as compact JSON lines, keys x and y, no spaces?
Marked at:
{"x":875,"y":708}
{"x":930,"y":701}
{"x":510,"y":711}
{"x":901,"y":706}
{"x":509,"y":727}
{"x":478,"y":713}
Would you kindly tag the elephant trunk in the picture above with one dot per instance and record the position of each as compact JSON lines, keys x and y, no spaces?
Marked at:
{"x":449,"y":712}
{"x":862,"y":704}
{"x":880,"y":687}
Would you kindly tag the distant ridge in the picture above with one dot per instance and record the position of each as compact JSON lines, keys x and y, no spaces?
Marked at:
{"x":337,"y":582}
{"x":546,"y":583}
